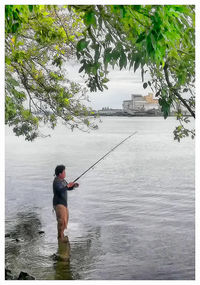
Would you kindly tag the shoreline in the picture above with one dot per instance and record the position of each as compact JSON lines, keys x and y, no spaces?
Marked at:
{"x":128,"y":115}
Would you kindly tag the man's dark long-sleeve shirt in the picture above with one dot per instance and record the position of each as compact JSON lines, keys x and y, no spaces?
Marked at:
{"x":60,"y":191}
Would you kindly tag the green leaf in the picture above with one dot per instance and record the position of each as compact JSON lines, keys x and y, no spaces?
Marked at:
{"x":165,"y":106}
{"x":137,"y":7}
{"x":100,"y":20}
{"x":122,"y":61}
{"x":66,"y":101}
{"x":82,"y":68}
{"x":82,"y":44}
{"x":15,"y":27}
{"x":97,"y":53}
{"x":137,"y":64}
{"x":108,"y":38}
{"x":145,"y":85}
{"x":93,"y":69}
{"x":30,"y":8}
{"x":122,"y":11}
{"x":107,"y":56}
{"x":105,"y":80}
{"x":13,"y":82}
{"x":90,"y":19}
{"x":150,"y":48}
{"x":142,"y":74}
{"x":106,"y":87}
{"x":115,"y":54}
{"x":141,"y":37}
{"x":7,"y":60}
{"x":153,"y":41}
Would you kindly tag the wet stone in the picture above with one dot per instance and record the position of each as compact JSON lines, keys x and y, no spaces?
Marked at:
{"x":8,"y":274}
{"x":22,"y":276}
{"x":25,"y":276}
{"x":54,"y":257}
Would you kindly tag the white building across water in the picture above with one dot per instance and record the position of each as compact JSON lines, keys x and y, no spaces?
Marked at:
{"x":139,"y":103}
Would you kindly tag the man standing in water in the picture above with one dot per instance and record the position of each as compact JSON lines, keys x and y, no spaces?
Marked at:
{"x":60,"y":188}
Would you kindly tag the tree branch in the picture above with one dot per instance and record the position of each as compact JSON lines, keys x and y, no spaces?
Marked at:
{"x":175,"y":91}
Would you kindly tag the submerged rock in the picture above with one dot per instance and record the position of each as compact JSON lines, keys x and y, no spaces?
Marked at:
{"x":8,"y":274}
{"x":22,"y":276}
{"x":54,"y":257}
{"x":7,"y":235}
{"x":25,"y":276}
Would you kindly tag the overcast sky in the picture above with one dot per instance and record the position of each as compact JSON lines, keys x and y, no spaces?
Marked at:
{"x":120,"y":87}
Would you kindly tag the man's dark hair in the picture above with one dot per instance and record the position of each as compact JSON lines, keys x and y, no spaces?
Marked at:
{"x":59,"y":169}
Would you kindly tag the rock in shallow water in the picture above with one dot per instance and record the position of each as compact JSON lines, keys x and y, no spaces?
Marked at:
{"x":8,"y":274}
{"x":22,"y":276}
{"x":25,"y":276}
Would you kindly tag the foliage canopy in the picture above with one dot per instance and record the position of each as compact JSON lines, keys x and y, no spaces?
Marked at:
{"x":37,"y":88}
{"x":158,"y":39}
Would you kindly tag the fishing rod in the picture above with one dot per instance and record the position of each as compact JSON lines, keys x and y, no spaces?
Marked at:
{"x":104,"y":156}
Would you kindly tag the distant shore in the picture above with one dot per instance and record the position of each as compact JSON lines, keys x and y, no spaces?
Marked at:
{"x":121,"y":113}
{"x":127,"y":115}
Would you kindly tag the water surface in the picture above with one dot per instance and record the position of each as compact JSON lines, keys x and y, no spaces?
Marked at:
{"x":132,"y":216}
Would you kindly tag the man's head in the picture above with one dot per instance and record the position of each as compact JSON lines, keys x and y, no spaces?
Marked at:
{"x":60,"y":171}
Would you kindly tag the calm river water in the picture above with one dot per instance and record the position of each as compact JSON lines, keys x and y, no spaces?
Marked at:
{"x":133,"y":216}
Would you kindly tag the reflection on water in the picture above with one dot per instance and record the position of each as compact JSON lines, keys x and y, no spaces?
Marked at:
{"x":74,"y":259}
{"x":62,"y":262}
